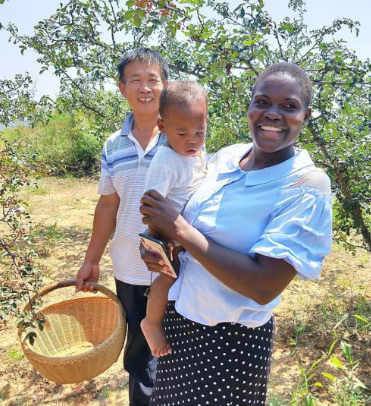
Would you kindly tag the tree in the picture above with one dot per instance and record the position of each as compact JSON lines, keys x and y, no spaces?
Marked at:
{"x":20,"y":275}
{"x":83,"y":41}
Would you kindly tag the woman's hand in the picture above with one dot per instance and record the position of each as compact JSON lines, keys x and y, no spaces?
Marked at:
{"x":160,"y":215}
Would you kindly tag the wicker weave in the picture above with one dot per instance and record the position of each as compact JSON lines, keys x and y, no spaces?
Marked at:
{"x":81,"y":337}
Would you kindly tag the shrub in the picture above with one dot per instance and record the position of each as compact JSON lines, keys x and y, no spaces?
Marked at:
{"x":67,"y":144}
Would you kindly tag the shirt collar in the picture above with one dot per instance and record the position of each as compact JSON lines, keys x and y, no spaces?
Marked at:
{"x":128,"y":125}
{"x":300,"y":160}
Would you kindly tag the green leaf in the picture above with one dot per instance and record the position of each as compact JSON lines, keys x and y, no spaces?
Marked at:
{"x":149,"y":30}
{"x":341,"y":321}
{"x":329,"y":352}
{"x":137,"y":20}
{"x":287,"y":27}
{"x":360,"y":318}
{"x":129,"y":14}
{"x":347,"y":351}
{"x":308,"y":401}
{"x":319,"y":384}
{"x":329,"y":376}
{"x":336,"y":362}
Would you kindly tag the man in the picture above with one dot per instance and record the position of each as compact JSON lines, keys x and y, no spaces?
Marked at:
{"x":125,"y":160}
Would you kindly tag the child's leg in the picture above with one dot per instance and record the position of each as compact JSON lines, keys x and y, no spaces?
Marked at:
{"x":152,"y":326}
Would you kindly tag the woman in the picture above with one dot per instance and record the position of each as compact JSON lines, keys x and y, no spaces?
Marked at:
{"x":261,"y":217}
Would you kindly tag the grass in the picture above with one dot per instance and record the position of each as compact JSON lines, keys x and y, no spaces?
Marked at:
{"x":313,"y":318}
{"x":15,"y":354}
{"x":338,"y":371}
{"x":51,"y":234}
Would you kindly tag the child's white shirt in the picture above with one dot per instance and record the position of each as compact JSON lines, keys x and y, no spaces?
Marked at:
{"x":175,"y":176}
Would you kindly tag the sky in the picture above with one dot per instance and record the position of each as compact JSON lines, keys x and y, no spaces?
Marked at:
{"x":26,"y":13}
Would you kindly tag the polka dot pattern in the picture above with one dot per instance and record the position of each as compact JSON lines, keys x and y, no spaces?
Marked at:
{"x":223,"y":365}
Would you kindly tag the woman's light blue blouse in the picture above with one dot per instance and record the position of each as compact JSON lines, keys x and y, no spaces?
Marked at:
{"x":283,"y":211}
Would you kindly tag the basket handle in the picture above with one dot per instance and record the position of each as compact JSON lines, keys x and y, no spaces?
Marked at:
{"x":72,"y":282}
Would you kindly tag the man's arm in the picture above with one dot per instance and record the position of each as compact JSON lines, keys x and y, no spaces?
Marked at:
{"x":103,"y":227}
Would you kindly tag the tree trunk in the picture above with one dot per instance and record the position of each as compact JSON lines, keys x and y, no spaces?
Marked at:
{"x":356,"y":210}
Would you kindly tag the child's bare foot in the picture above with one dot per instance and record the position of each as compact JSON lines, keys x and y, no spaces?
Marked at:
{"x":156,"y":338}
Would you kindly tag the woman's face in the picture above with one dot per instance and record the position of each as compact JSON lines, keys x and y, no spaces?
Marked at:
{"x":276,"y":113}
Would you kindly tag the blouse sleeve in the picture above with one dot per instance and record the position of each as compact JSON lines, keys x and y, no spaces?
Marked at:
{"x":300,"y":231}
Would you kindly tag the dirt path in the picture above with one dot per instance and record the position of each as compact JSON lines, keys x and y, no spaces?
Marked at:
{"x":308,"y":319}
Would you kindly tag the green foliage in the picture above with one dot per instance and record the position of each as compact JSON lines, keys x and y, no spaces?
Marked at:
{"x":20,"y":276}
{"x":225,"y":53}
{"x":341,"y":324}
{"x":17,"y":100}
{"x":15,"y":354}
{"x":50,"y":234}
{"x":66,"y":143}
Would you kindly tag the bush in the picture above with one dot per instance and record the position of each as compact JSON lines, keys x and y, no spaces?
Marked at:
{"x":20,"y":276}
{"x":67,"y":144}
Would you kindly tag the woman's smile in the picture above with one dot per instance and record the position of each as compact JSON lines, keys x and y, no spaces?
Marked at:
{"x":270,"y":132}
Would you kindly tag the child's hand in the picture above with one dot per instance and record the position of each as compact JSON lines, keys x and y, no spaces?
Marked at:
{"x":170,"y":248}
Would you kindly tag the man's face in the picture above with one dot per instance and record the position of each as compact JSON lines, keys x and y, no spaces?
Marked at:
{"x":142,"y":87}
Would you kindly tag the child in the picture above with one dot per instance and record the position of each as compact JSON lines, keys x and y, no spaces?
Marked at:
{"x":176,"y":172}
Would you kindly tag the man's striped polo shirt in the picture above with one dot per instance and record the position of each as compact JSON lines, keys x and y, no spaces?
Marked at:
{"x":124,"y":169}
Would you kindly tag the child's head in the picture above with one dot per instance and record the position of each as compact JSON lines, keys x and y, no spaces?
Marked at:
{"x":142,"y":75}
{"x":280,"y":105}
{"x":183,"y":111}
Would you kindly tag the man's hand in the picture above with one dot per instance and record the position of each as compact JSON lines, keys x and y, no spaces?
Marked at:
{"x":87,"y":273}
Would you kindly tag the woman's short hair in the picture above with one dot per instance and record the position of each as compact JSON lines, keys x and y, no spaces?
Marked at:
{"x":290,"y":69}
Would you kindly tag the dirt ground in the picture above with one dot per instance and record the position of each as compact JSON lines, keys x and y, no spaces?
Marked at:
{"x":310,"y":318}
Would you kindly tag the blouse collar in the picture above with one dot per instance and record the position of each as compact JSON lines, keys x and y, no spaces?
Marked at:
{"x":300,"y":160}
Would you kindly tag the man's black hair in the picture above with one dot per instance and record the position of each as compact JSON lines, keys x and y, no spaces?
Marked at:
{"x":290,"y":69}
{"x":179,"y":92}
{"x":143,"y":55}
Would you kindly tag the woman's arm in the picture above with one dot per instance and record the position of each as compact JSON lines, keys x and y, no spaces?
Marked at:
{"x":261,"y":279}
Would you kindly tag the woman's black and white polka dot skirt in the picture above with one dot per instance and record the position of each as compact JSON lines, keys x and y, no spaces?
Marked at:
{"x":223,"y":365}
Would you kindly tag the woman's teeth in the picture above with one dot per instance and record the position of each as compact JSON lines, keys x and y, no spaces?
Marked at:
{"x":269,"y":128}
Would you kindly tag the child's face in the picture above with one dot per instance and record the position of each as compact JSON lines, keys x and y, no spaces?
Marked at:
{"x":185,"y":126}
{"x":142,"y":87}
{"x":277,"y":113}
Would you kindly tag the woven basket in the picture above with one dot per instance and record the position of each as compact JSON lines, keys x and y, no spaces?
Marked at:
{"x":81,"y":337}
